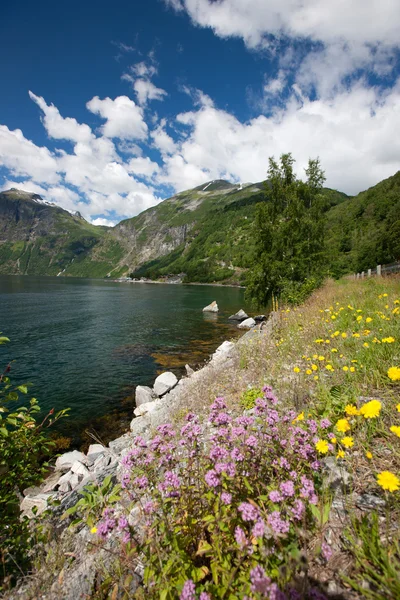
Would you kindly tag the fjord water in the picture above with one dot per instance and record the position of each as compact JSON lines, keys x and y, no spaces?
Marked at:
{"x":86,"y":344}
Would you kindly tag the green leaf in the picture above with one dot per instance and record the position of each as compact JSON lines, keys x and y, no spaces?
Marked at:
{"x":4,"y":431}
{"x":23,"y":389}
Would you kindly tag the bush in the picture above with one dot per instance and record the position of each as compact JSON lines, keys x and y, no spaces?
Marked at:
{"x":248,"y":398}
{"x":24,"y":447}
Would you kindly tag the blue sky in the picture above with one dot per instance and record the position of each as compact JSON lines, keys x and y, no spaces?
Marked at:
{"x":108,"y":108}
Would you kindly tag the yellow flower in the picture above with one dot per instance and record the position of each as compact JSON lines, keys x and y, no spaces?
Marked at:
{"x":300,"y":417}
{"x":398,"y":408}
{"x":366,"y":345}
{"x":350,"y":307}
{"x":333,"y":440}
{"x":316,"y":377}
{"x":322,"y":446}
{"x":321,"y":358}
{"x":395,"y":429}
{"x":296,"y":370}
{"x":388,"y":340}
{"x":93,"y":530}
{"x":388,"y":481}
{"x":314,"y":367}
{"x":336,"y":333}
{"x":356,"y":335}
{"x":333,"y":349}
{"x":352,"y":369}
{"x":368,"y":320}
{"x":341,"y":454}
{"x":351,"y":410}
{"x":343,"y":425}
{"x":359,"y":318}
{"x":384,"y":295}
{"x":371,"y":409}
{"x":344,"y":335}
{"x":333,"y":317}
{"x":315,"y":356}
{"x":348,"y":442}
{"x":358,"y":310}
{"x":394,"y":373}
{"x":309,"y":372}
{"x":329,"y":368}
{"x":368,"y":454}
{"x":345,"y":368}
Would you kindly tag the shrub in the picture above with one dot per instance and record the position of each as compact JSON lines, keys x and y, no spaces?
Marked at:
{"x":249,"y":397}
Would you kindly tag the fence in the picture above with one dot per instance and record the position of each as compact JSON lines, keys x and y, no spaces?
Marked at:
{"x":379,"y":271}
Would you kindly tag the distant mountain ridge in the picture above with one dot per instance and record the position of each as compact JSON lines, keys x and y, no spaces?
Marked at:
{"x":204,"y":232}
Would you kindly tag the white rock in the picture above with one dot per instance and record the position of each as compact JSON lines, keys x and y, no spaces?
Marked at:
{"x":189,"y":370}
{"x":39,"y":501}
{"x":147,"y":407}
{"x":247,"y":324}
{"x":223,"y":351}
{"x":50,"y":483}
{"x":164,"y":382}
{"x":80,"y":469}
{"x":239,"y":316}
{"x":138,"y":426}
{"x":65,"y":461}
{"x":95,"y":450}
{"x":143,"y":394}
{"x":213,"y":307}
{"x":65,"y":487}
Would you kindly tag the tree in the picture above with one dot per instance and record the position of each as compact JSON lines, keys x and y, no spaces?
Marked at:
{"x":288,"y":231}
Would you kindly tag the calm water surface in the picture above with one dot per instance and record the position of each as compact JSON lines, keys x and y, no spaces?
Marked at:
{"x":86,"y":344}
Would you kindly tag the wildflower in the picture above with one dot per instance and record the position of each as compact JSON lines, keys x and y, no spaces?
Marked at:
{"x":287,"y":488}
{"x":329,"y":368}
{"x":333,"y":349}
{"x":388,"y":481}
{"x":394,"y":373}
{"x":296,"y":370}
{"x":315,"y":368}
{"x":359,"y":318}
{"x":211,"y":478}
{"x":309,"y":372}
{"x":322,"y":446}
{"x":298,"y":509}
{"x":300,"y":417}
{"x":341,"y":454}
{"x":350,"y":307}
{"x":326,"y":551}
{"x":366,"y":345}
{"x":248,"y":511}
{"x":277,"y":524}
{"x":333,"y":440}
{"x":368,"y":454}
{"x":398,"y":408}
{"x":368,"y":320}
{"x":344,"y":335}
{"x":275,"y":496}
{"x":188,"y":591}
{"x":348,"y":442}
{"x":388,"y":340}
{"x":343,"y":425}
{"x":316,"y":377}
{"x":325,"y":423}
{"x":352,"y":369}
{"x":240,"y":537}
{"x":351,"y":410}
{"x":93,"y":530}
{"x":260,"y":582}
{"x":345,"y":368}
{"x":226,"y":498}
{"x":371,"y":409}
{"x":321,"y":358}
{"x":356,"y":335}
{"x":396,"y":430}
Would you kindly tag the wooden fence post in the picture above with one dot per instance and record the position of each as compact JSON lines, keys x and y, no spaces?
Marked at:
{"x":379,"y":270}
{"x":369,"y":272}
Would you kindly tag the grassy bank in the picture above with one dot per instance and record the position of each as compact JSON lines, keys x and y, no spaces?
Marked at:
{"x":285,"y":486}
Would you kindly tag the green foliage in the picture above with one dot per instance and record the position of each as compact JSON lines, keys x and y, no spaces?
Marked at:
{"x":248,"y":398}
{"x":289,"y":233}
{"x":24,"y":448}
{"x":377,"y":561}
{"x":95,"y":498}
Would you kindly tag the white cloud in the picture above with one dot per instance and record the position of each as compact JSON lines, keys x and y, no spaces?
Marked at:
{"x":23,"y":158}
{"x":146,"y":90}
{"x":162,"y":141}
{"x":102,"y":221}
{"x":143,"y":166}
{"x":124,"y":119}
{"x":60,"y":128}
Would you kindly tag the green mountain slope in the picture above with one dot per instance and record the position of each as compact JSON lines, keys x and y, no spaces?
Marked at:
{"x":38,"y":238}
{"x":205,"y":233}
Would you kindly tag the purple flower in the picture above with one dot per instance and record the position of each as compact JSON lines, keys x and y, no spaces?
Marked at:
{"x":240,"y":537}
{"x":148,"y":507}
{"x":275,"y":496}
{"x":316,"y":465}
{"x":287,"y":488}
{"x":237,"y":431}
{"x":211,"y":478}
{"x":260,"y":583}
{"x":284,"y":463}
{"x":141,"y":482}
{"x":298,"y":510}
{"x":251,"y":441}
{"x":170,"y":484}
{"x":237,"y":455}
{"x":166,"y":430}
{"x":248,"y":511}
{"x":277,"y":524}
{"x":221,"y":418}
{"x":325,"y":423}
{"x":312,"y":425}
{"x":226,"y":498}
{"x":204,"y":596}
{"x":188,"y":591}
{"x":258,"y":529}
{"x":326,"y":551}
{"x":228,"y":468}
{"x":218,"y":452}
{"x":123,"y":524}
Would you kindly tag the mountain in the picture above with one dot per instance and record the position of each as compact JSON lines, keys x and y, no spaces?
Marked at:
{"x":205,"y":232}
{"x":37,"y":237}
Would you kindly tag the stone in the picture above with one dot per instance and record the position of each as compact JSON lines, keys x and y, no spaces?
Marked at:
{"x":95,"y":450}
{"x":80,"y":469}
{"x":148,"y":407}
{"x":247,"y":324}
{"x":65,"y":487}
{"x":101,"y":462}
{"x":370,"y":502}
{"x":33,"y":490}
{"x":213,"y":307}
{"x":51,"y":482}
{"x":143,"y":394}
{"x":30,"y":502}
{"x":189,"y":370}
{"x":164,"y":383}
{"x":260,"y":318}
{"x":65,"y":461}
{"x":337,"y":478}
{"x":223,"y":351}
{"x":239,"y":316}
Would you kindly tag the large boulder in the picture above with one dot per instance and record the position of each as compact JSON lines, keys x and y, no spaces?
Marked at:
{"x":95,"y":450}
{"x":65,"y":461}
{"x":144,"y":394}
{"x":239,"y":316}
{"x":223,"y":351}
{"x":164,"y":383}
{"x":213,"y":307}
{"x":247,"y":324}
{"x":147,"y":407}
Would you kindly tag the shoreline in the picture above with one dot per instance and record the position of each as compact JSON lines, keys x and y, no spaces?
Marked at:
{"x":152,"y":281}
